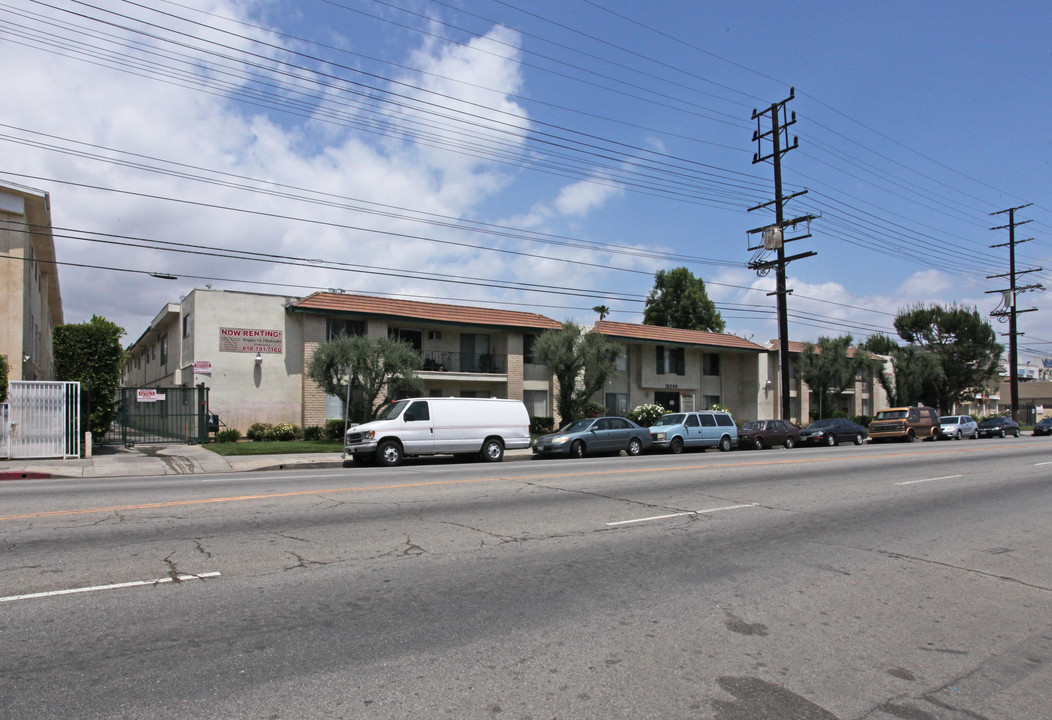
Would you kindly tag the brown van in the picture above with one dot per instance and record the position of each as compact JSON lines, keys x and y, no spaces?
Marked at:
{"x":904,"y":423}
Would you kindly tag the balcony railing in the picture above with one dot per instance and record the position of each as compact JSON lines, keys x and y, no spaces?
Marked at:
{"x":443,"y":361}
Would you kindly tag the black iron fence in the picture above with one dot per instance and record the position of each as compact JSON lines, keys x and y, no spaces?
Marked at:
{"x":160,"y":415}
{"x":443,"y":361}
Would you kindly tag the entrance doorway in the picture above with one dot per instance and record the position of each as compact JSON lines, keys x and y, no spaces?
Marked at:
{"x":668,"y":400}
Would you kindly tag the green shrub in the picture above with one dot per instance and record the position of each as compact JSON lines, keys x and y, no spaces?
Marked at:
{"x":287,"y":431}
{"x":542,"y":424}
{"x":646,"y":414}
{"x":863,"y":420}
{"x":313,"y":432}
{"x":594,"y":409}
{"x":258,"y":432}
{"x":333,"y":429}
{"x":228,"y":435}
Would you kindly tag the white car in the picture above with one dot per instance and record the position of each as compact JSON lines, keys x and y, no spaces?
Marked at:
{"x":955,"y":427}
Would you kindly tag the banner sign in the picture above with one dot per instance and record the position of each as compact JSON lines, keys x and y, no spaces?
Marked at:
{"x":202,"y":367}
{"x":148,"y":395}
{"x":248,"y":340}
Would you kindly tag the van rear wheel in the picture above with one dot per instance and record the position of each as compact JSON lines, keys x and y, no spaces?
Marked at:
{"x":492,"y":450}
{"x":725,"y":444}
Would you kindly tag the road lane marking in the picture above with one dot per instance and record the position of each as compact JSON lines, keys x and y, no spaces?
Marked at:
{"x":116,"y":586}
{"x":681,"y":514}
{"x":1040,"y":464}
{"x":436,"y":483}
{"x":944,"y":477}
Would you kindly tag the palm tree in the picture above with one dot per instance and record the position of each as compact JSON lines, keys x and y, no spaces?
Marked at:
{"x":603,"y":311}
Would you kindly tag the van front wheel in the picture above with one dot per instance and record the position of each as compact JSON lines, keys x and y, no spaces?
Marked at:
{"x":493,"y":450}
{"x":389,"y":453}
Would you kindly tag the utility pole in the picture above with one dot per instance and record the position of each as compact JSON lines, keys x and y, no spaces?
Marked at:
{"x":1009,"y":300}
{"x":774,"y":235}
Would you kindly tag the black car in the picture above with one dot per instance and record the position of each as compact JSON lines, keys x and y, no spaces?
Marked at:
{"x":998,"y":427}
{"x":1043,"y":427}
{"x":833,"y":431}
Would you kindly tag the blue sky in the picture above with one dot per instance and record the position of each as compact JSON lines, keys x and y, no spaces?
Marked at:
{"x":594,"y":142}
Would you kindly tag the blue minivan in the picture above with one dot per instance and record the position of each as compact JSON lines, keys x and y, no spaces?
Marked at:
{"x":701,"y":430}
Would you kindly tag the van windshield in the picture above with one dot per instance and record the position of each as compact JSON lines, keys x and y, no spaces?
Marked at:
{"x":673,"y":419}
{"x":891,"y":414}
{"x":392,"y":412}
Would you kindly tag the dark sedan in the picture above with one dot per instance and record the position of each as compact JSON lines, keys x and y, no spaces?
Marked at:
{"x":1043,"y":427}
{"x":833,"y":431}
{"x":998,"y":427}
{"x":594,"y":435}
{"x":768,"y":433}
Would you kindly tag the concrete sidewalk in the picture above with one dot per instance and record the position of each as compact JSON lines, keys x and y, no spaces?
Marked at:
{"x":155,"y":460}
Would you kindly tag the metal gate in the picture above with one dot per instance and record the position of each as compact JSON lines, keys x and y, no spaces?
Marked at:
{"x":43,"y":420}
{"x":161,"y":415}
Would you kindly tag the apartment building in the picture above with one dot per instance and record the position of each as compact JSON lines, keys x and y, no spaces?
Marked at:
{"x":29,"y":288}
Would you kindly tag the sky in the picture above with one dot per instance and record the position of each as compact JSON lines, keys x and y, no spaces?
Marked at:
{"x":548,"y":158}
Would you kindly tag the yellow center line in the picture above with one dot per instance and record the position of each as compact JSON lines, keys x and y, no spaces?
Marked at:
{"x":437,"y":483}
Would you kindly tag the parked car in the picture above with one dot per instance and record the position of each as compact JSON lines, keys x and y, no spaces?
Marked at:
{"x":768,"y":433}
{"x":594,"y":435}
{"x":955,"y":427}
{"x":465,"y":427}
{"x":1043,"y":427}
{"x":833,"y":431}
{"x":998,"y":427}
{"x":701,"y":430}
{"x":904,"y":423}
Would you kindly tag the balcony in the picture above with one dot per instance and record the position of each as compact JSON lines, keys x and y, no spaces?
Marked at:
{"x":442,"y":361}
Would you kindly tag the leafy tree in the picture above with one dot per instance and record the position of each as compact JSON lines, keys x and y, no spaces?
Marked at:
{"x":678,"y":300}
{"x":91,"y":353}
{"x":3,"y":378}
{"x":913,"y":369}
{"x":963,"y":344}
{"x":603,"y":311}
{"x":378,"y":365}
{"x":829,"y":369}
{"x":580,"y":361}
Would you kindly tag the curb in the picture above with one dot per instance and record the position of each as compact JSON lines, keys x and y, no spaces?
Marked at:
{"x":23,"y":475}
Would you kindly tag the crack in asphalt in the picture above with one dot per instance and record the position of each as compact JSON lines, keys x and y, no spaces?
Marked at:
{"x":1006,"y":578}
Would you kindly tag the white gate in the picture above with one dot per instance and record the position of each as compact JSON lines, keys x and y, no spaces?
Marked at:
{"x":43,"y":419}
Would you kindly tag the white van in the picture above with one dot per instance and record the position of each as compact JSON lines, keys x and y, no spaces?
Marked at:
{"x":467,"y":427}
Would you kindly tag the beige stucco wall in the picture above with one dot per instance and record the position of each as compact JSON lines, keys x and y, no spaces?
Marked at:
{"x":241,"y":390}
{"x":29,"y":289}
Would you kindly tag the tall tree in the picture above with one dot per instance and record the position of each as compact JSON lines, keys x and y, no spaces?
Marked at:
{"x":603,"y":311}
{"x":3,"y":378}
{"x":679,"y":300}
{"x":963,"y":345}
{"x":91,"y":353}
{"x":829,"y":368}
{"x":378,"y":365}
{"x":580,"y":361}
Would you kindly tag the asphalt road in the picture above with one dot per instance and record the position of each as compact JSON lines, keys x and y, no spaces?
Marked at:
{"x":874,"y":582}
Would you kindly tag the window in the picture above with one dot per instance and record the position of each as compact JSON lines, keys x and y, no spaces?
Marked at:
{"x":710,"y":364}
{"x":164,"y":349}
{"x":724,"y":421}
{"x":622,"y":360}
{"x":186,"y":325}
{"x":708,"y":401}
{"x":529,"y":347}
{"x":619,"y":424}
{"x":418,"y":411}
{"x":670,"y":361}
{"x":707,"y":420}
{"x":617,"y":403}
{"x":536,"y":402}
{"x":335,"y":327}
{"x":413,"y":337}
{"x":692,"y":421}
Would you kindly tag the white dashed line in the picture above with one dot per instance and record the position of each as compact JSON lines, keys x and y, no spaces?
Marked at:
{"x":95,"y":588}
{"x":682,"y":514}
{"x":914,"y":482}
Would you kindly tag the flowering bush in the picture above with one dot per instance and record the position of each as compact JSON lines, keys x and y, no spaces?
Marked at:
{"x":645,"y":415}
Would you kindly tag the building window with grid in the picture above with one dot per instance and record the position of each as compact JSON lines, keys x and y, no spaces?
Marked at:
{"x":710,"y":364}
{"x":616,"y":403}
{"x":339,"y":327}
{"x":670,"y":361}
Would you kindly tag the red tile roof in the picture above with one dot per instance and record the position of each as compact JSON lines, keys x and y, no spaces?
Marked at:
{"x":797,"y":348}
{"x":434,"y":312}
{"x":655,"y":333}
